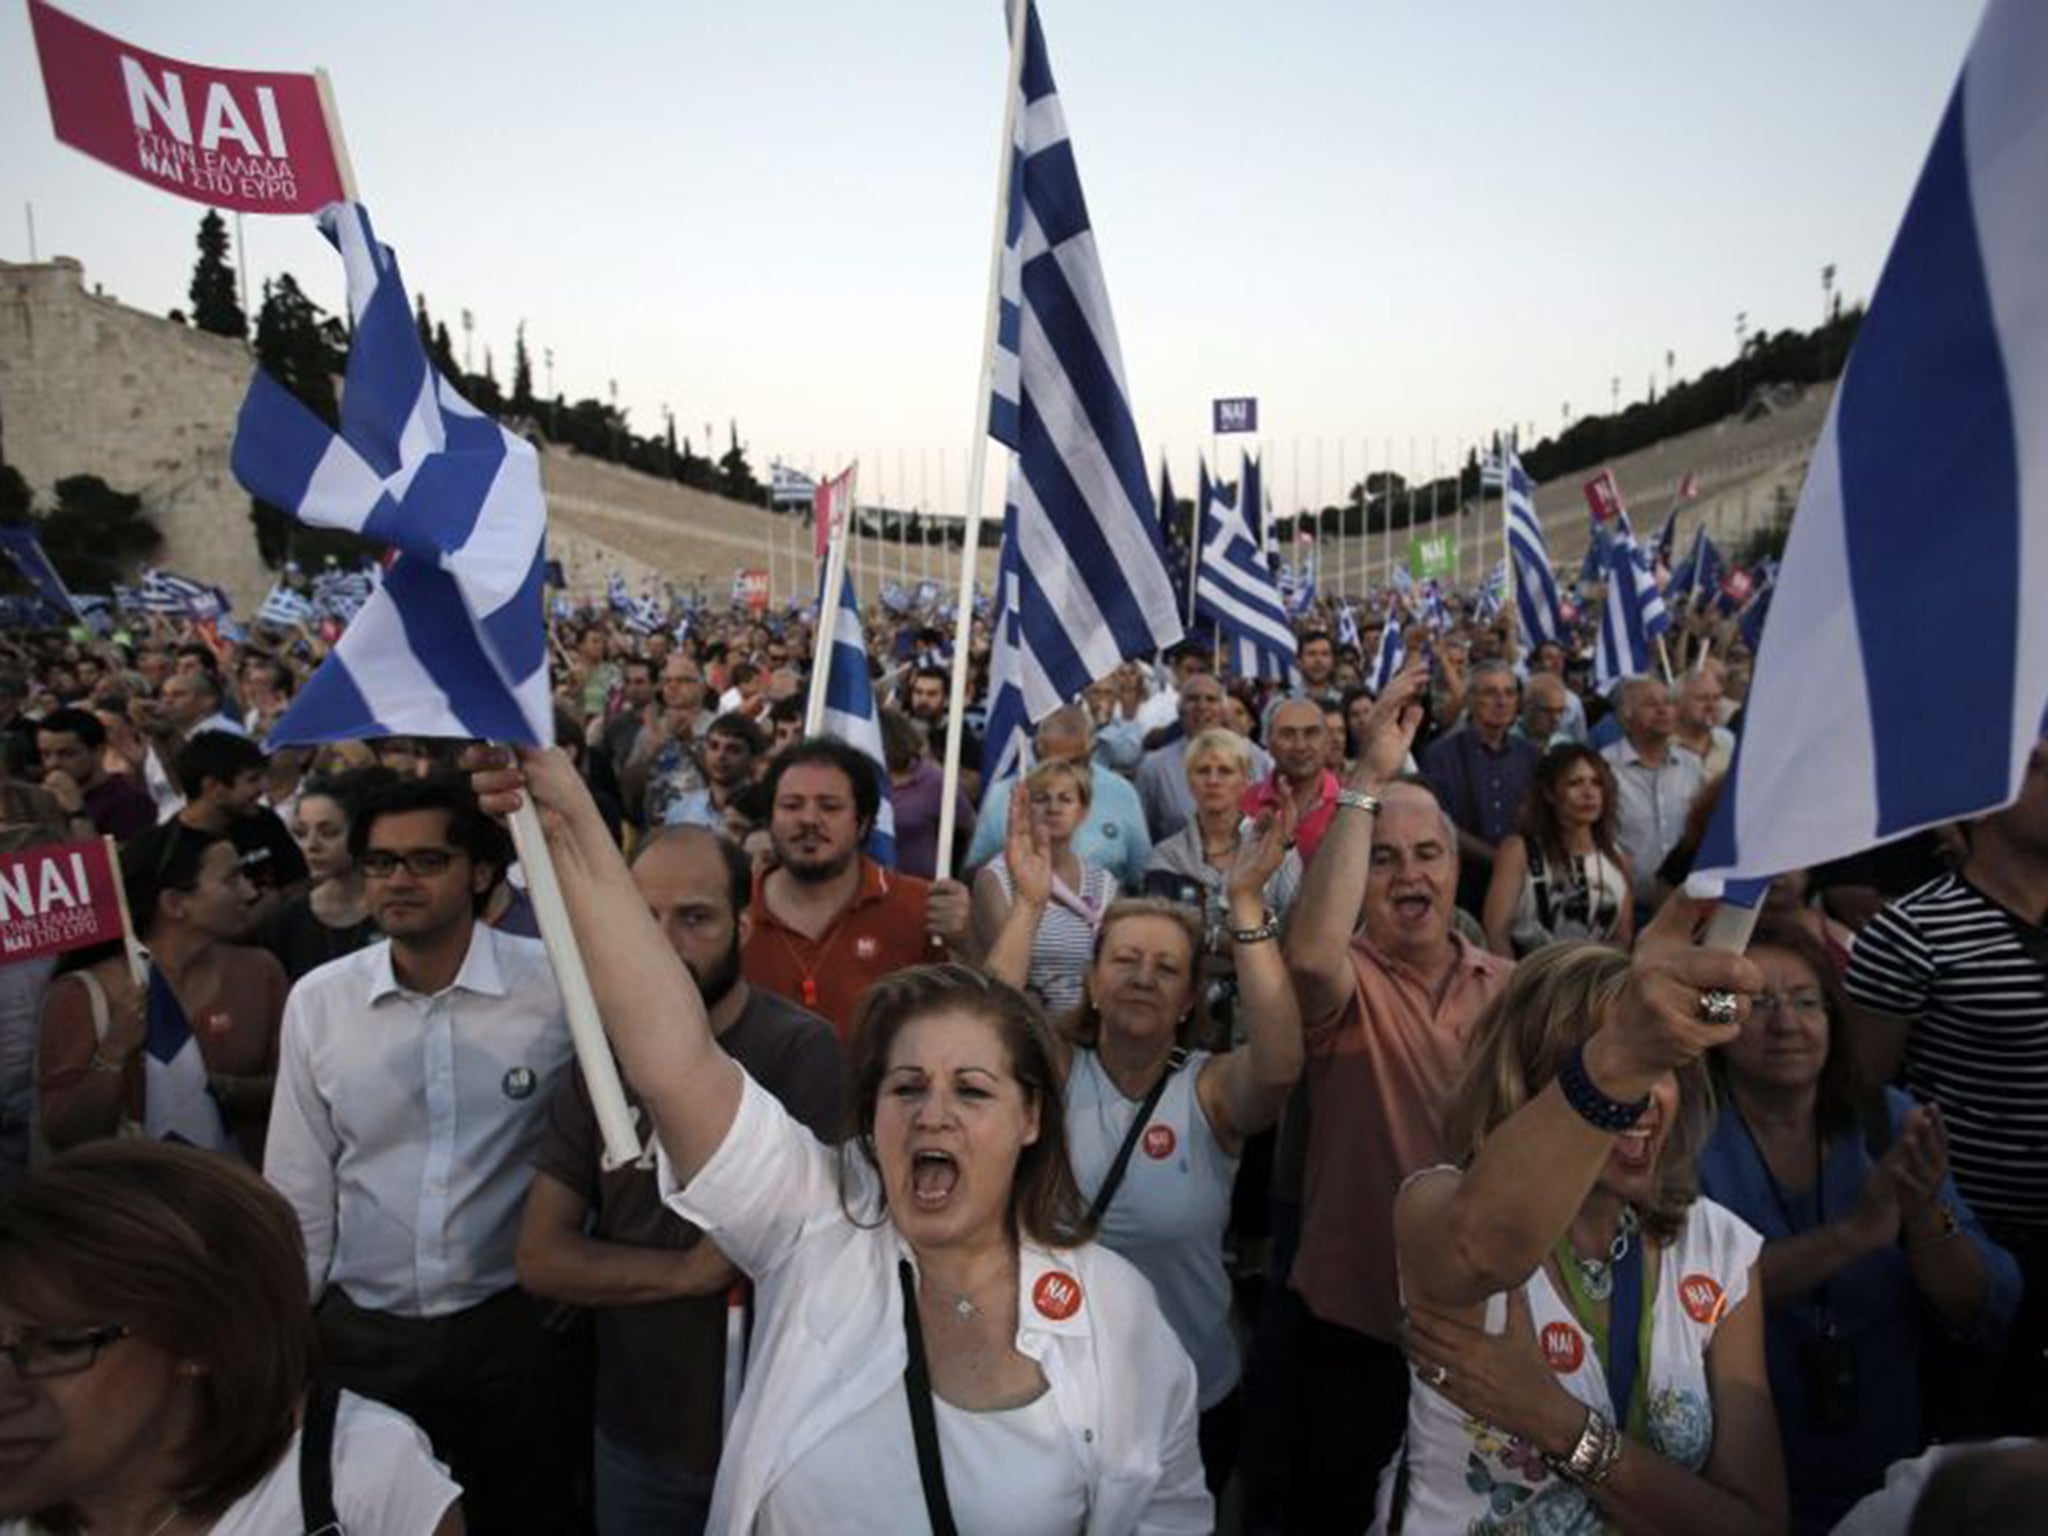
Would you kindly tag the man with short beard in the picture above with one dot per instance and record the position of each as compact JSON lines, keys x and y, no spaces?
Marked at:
{"x":655,"y":1284}
{"x":828,"y":921}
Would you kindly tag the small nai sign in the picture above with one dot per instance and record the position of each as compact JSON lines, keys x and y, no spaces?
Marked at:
{"x":1238,"y":414}
{"x":57,"y":897}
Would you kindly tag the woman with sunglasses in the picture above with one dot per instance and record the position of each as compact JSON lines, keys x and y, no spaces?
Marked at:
{"x":158,"y":1343}
{"x":1870,"y":1255}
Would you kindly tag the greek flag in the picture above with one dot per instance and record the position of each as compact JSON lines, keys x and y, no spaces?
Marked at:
{"x":850,"y":712}
{"x":1235,"y":587}
{"x":1535,"y":579}
{"x":1391,"y":656}
{"x":1488,"y":606}
{"x":1698,"y":575}
{"x":1006,"y":736}
{"x":1093,"y":585}
{"x":1628,"y":619}
{"x":1434,"y":613}
{"x":1903,"y":680}
{"x":25,"y":550}
{"x":285,"y":609}
{"x":452,"y":642}
{"x":1298,"y":585}
{"x":162,"y":592}
{"x":617,"y":596}
{"x":643,"y":615}
{"x":177,"y":1104}
{"x":340,"y":595}
{"x":1347,"y":629}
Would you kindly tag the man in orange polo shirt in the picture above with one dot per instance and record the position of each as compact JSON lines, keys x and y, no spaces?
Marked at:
{"x":828,"y":921}
{"x":1385,"y":1011}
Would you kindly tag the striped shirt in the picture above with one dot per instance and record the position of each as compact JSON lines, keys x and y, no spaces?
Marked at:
{"x":1065,"y":946}
{"x":1973,"y":978}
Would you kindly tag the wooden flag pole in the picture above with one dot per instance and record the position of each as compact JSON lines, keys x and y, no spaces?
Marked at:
{"x":977,"y":463}
{"x":1664,"y":658}
{"x":332,"y":114}
{"x":138,"y":964}
{"x":593,"y":1053}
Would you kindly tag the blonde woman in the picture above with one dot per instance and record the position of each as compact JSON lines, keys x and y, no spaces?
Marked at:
{"x":1050,"y":803}
{"x":1200,"y":855}
{"x":1587,"y":1334}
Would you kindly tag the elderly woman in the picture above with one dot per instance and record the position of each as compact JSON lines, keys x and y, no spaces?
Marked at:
{"x":153,"y":1313}
{"x":1563,"y":875}
{"x":1587,"y":1341}
{"x":932,"y":1328}
{"x":1192,"y":864}
{"x":1869,"y":1251}
{"x":1155,"y":1128}
{"x":1053,"y":799}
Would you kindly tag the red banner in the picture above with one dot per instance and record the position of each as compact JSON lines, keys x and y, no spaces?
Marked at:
{"x":830,"y":504}
{"x":1604,"y":497}
{"x":750,"y":588}
{"x":1738,"y":586}
{"x":230,"y":138}
{"x":57,"y":897}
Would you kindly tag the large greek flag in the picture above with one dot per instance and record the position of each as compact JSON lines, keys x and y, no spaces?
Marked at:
{"x":1093,"y":585}
{"x":1903,"y":679}
{"x":850,"y":710}
{"x":1235,"y":587}
{"x":1006,"y":735}
{"x":1535,"y":579}
{"x":451,"y":642}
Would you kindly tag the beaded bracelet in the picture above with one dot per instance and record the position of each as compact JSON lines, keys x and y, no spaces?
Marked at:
{"x":1595,"y":1107}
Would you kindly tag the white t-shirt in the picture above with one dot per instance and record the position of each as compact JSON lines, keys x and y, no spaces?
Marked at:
{"x":386,"y":1482}
{"x":1010,"y":1472}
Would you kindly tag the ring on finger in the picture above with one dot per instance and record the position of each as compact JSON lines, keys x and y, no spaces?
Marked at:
{"x":1718,"y":1006}
{"x":1438,"y":1375}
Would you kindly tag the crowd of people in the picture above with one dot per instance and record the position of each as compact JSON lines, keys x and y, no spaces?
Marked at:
{"x":1285,"y":1103}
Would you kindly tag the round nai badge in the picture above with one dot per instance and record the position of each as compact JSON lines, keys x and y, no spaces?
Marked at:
{"x":1159,"y":1142}
{"x":1057,"y":1296}
{"x":1702,"y":1297}
{"x":519,"y":1083}
{"x":1564,"y":1347}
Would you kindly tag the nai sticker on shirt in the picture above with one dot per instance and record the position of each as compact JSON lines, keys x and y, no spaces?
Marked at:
{"x":519,"y":1083}
{"x":1159,"y":1142}
{"x":865,"y":947}
{"x":1057,"y":1296}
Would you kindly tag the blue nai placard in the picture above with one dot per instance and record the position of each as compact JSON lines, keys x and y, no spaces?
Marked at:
{"x":1237,"y":415}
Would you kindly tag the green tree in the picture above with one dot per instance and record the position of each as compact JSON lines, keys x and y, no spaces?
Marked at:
{"x":304,"y":349}
{"x":735,"y":475}
{"x":522,"y":373}
{"x":213,"y":282}
{"x":442,"y":352}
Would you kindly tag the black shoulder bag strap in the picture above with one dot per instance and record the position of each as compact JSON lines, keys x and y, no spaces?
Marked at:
{"x":917,"y":1386}
{"x":316,"y":1460}
{"x":1115,"y":1176}
{"x":1539,"y":882}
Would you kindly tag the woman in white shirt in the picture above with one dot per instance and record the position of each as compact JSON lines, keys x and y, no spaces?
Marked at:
{"x":929,"y":1336}
{"x":153,"y":1313}
{"x":1587,"y":1333}
{"x":1157,"y":1113}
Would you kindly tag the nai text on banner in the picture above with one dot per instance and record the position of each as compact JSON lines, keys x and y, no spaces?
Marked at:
{"x":57,"y":897}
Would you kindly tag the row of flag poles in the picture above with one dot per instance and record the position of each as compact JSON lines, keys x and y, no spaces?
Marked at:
{"x":1949,"y":371}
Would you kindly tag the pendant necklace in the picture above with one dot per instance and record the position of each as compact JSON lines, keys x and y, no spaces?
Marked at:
{"x":1596,"y":1276}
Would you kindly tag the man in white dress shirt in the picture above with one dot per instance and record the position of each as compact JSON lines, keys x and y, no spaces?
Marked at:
{"x":411,"y":1089}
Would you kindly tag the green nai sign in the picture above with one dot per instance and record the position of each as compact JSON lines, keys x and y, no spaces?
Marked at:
{"x":1432,"y":554}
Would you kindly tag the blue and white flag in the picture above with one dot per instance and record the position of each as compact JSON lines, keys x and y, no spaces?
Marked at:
{"x":1536,"y":604}
{"x":643,"y":615}
{"x":1006,"y":735}
{"x":1391,"y":656}
{"x":1434,"y":613}
{"x":340,"y":595}
{"x":453,"y":640}
{"x":1094,"y":588}
{"x":1631,"y":618}
{"x":177,"y":1103}
{"x":284,"y":608}
{"x":1347,"y":629}
{"x":1298,"y":585}
{"x":617,"y":596}
{"x":1698,"y":575}
{"x":1491,"y":594}
{"x":850,"y":710}
{"x":1903,"y":679}
{"x":163,"y":592}
{"x":1235,"y":587}
{"x":21,"y":546}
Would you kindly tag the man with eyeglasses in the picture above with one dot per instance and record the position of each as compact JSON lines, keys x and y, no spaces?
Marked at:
{"x":411,"y":1091}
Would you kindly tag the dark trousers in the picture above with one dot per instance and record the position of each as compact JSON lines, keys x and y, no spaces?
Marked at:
{"x":1348,"y":1409}
{"x":2022,"y":1390}
{"x":504,"y":1399}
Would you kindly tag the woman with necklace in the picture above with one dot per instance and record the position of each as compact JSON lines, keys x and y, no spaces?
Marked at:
{"x":1052,"y":801}
{"x":1588,"y":1350}
{"x":1156,"y":1123}
{"x":932,"y":1328}
{"x":1563,"y":876}
{"x":1870,"y":1255}
{"x":332,"y":917}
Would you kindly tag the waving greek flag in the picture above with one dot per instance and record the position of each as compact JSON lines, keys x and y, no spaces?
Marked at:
{"x":1631,"y":618}
{"x":1235,"y":587}
{"x":1006,"y":735}
{"x":1093,"y":584}
{"x":1903,"y":680}
{"x":1698,"y":575}
{"x":21,"y":546}
{"x":850,"y":710}
{"x":1391,"y":656}
{"x":177,"y":1104}
{"x":1535,"y":579}
{"x":451,"y":642}
{"x":285,"y":608}
{"x":163,"y":592}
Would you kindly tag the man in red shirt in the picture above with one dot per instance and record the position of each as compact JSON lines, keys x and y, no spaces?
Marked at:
{"x":828,"y":921}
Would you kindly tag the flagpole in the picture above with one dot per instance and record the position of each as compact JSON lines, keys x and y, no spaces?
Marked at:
{"x":138,"y":969}
{"x":342,"y":166}
{"x":977,"y":462}
{"x":1507,"y":556}
{"x":829,"y":605}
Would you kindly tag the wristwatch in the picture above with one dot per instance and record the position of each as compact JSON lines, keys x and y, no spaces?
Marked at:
{"x":1358,"y":800}
{"x":1269,"y":929}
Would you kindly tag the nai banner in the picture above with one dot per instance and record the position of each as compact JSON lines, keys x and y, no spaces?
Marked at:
{"x":230,"y":138}
{"x":1603,"y":496}
{"x":57,"y":897}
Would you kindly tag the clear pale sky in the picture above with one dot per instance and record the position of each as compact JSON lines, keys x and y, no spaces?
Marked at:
{"x":1397,"y":224}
